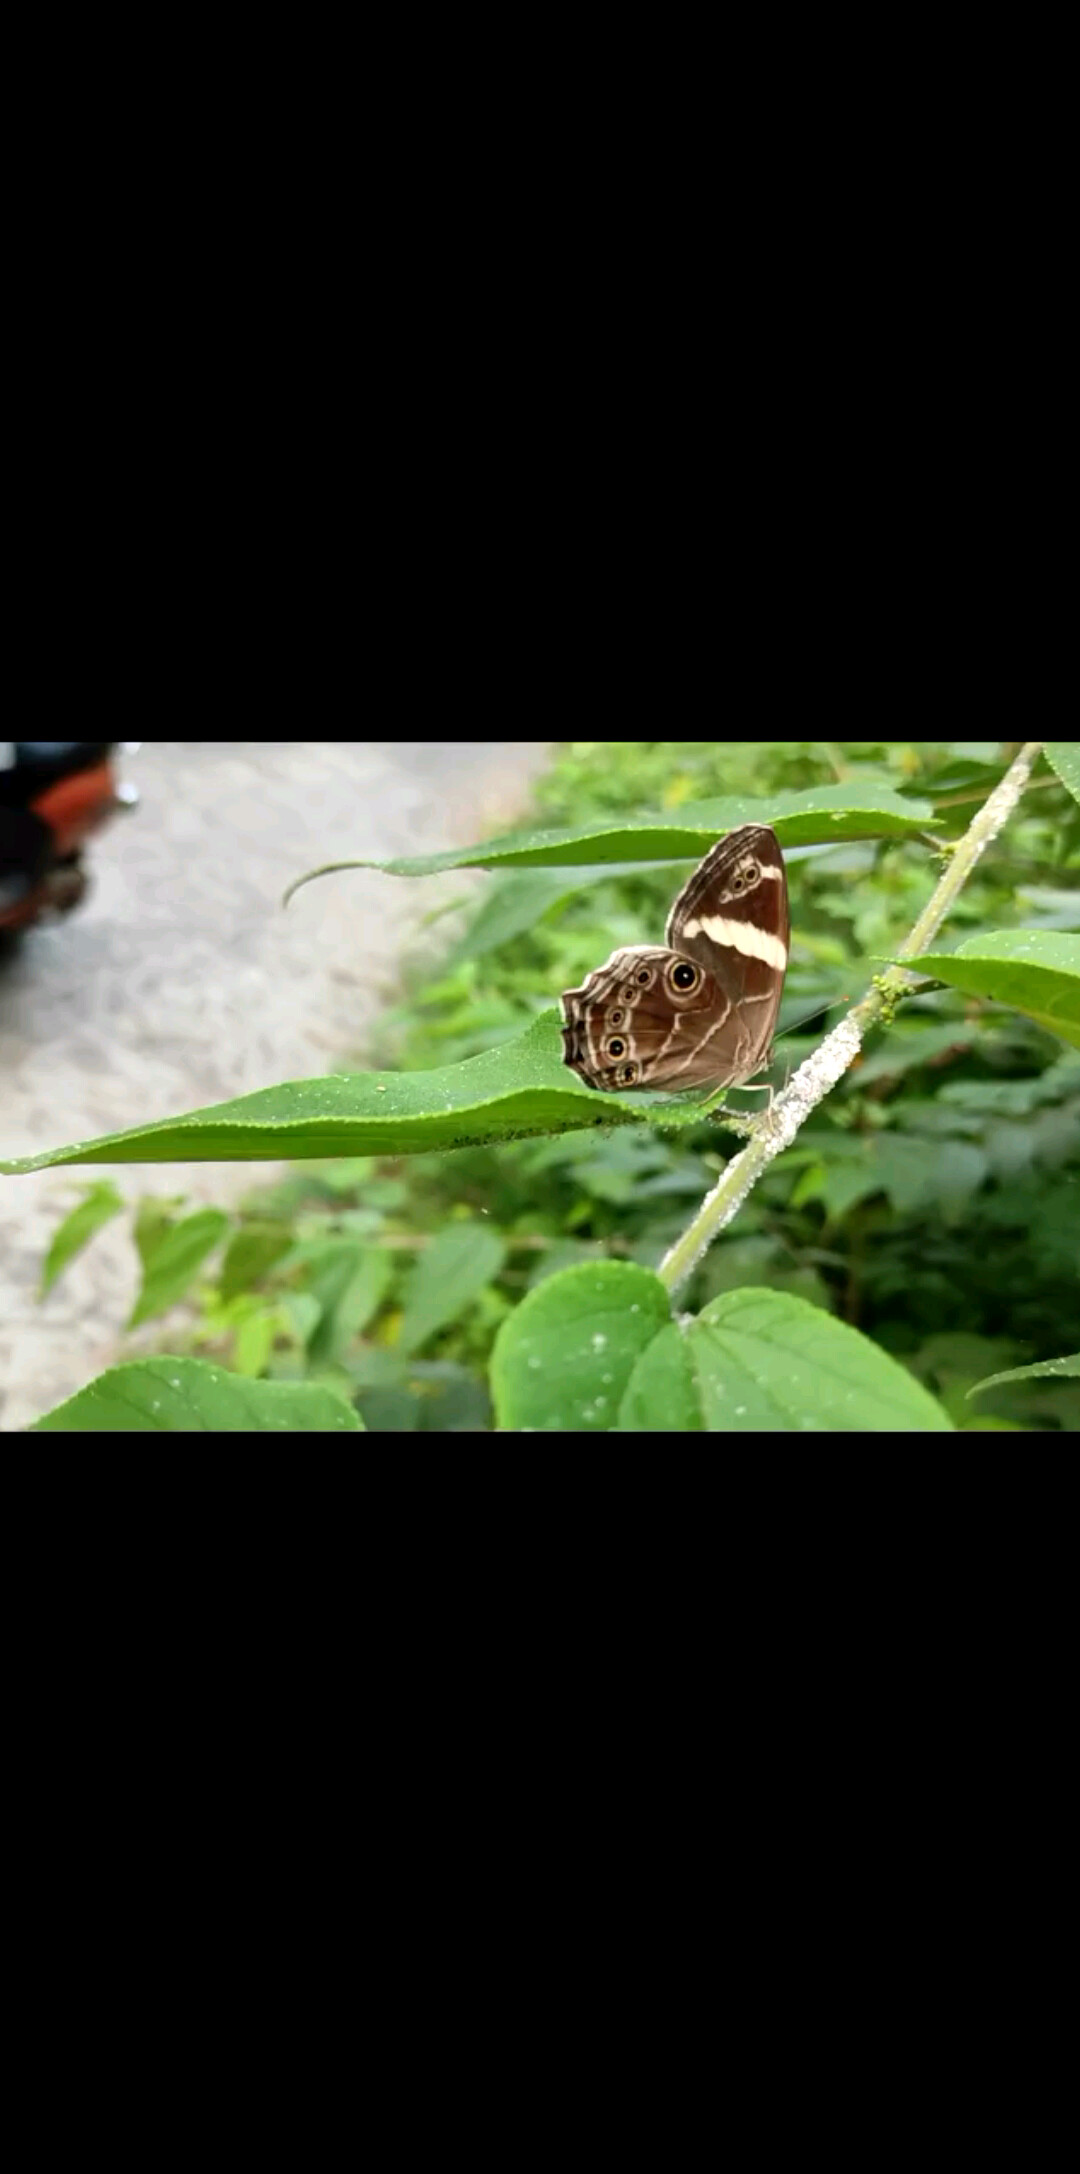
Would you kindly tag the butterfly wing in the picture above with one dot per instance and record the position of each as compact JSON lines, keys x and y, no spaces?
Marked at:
{"x":648,"y":1018}
{"x":732,"y":917}
{"x":701,"y":1009}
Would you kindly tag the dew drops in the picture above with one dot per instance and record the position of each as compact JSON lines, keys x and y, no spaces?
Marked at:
{"x":635,"y":1309}
{"x":174,"y":1384}
{"x":740,"y":1411}
{"x":599,"y":1342}
{"x":535,"y":1364}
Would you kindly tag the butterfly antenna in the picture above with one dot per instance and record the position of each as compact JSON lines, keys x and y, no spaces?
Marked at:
{"x":827,"y":1005}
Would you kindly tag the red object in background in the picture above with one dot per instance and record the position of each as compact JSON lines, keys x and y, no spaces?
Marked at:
{"x":77,"y":805}
{"x":42,"y":836}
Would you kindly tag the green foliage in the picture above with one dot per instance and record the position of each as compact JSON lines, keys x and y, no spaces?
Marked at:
{"x":830,"y":811}
{"x":185,"y":1396}
{"x":460,"y":1262}
{"x":172,"y":1254}
{"x":596,"y":1349}
{"x":97,"y":1207}
{"x":1047,"y":1370}
{"x":564,"y":1358}
{"x":1064,"y":757}
{"x":251,"y":1253}
{"x":507,"y":1093}
{"x":1037,"y":1405}
{"x":1037,"y":971}
{"x":927,"y":1215}
{"x":765,"y":1361}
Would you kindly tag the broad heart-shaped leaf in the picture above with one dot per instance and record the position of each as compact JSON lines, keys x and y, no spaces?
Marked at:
{"x":510,"y":1093}
{"x":765,"y":1362}
{"x":562,"y":1361}
{"x":452,"y":1271}
{"x":820,"y":816}
{"x":189,"y":1396}
{"x":1064,"y":757}
{"x":1048,"y":1369}
{"x":100,"y":1202}
{"x":594,"y":1348}
{"x":1036,"y":971}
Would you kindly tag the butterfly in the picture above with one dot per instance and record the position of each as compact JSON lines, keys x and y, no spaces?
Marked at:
{"x":698,"y":1010}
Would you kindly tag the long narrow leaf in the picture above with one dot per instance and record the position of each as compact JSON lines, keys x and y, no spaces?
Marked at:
{"x":509,"y":1093}
{"x":821,"y":816}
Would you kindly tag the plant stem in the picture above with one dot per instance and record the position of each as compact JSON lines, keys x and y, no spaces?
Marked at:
{"x":963,"y":800}
{"x":778,"y":1127}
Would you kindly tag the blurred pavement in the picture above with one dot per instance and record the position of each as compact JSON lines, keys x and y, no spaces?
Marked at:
{"x":182,"y":982}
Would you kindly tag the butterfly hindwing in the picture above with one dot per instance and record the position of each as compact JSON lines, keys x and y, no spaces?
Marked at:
{"x":631,"y":1024}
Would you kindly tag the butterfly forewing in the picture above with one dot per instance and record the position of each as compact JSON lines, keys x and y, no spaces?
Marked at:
{"x":699,"y":1011}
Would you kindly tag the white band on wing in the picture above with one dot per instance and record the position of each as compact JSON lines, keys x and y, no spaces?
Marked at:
{"x":754,"y":943}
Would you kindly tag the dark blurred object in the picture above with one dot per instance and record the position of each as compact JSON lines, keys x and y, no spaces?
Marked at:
{"x":53,"y":795}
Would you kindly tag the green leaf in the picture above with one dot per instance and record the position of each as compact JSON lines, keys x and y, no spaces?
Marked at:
{"x":250,"y":1254}
{"x":662,"y":1395}
{"x":1046,"y":1369}
{"x":1036,"y":971}
{"x":515,"y":902}
{"x":955,"y":777}
{"x":344,"y":1282}
{"x":455,"y":1268}
{"x":172,"y":1257}
{"x":822,"y":815}
{"x":907,"y":1046}
{"x":510,"y":1093}
{"x":563,"y":1359}
{"x":189,"y":1396}
{"x":563,"y":1253}
{"x":301,"y":1315}
{"x":153,"y":1217}
{"x":254,"y":1340}
{"x":1064,"y":757}
{"x":100,"y":1202}
{"x":360,"y":1299}
{"x":450,"y":1399}
{"x":1017,"y":1097}
{"x":1055,"y":908}
{"x":763,"y":1361}
{"x":391,"y":1411}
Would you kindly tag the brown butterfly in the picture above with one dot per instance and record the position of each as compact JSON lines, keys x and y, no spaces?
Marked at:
{"x":700,"y":1009}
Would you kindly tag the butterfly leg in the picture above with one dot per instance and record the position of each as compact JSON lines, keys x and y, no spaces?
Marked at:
{"x":712,"y":1101}
{"x":765,"y":1088}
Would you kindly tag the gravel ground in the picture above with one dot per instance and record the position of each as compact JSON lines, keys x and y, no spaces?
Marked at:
{"x":181,"y":982}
